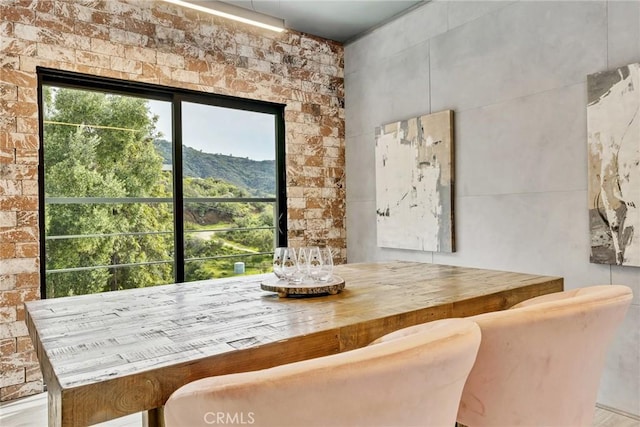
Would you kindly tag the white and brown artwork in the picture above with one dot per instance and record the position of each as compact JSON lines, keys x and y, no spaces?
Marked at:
{"x":613,"y":124}
{"x":414,"y":183}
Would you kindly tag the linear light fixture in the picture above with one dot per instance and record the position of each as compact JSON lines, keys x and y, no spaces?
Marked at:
{"x":236,"y":13}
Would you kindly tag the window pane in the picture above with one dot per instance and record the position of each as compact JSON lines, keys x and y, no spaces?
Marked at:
{"x":107,"y":194}
{"x":227,"y":154}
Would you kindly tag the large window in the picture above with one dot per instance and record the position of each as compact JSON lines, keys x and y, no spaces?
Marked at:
{"x":146,"y":185}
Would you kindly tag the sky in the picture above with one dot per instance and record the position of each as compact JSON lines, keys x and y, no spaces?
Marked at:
{"x":220,"y":130}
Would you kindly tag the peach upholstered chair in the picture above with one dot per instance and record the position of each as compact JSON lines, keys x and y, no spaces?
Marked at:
{"x":540,"y":362}
{"x":413,"y":380}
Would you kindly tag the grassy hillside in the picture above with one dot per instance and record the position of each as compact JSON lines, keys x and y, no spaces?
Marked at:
{"x":257,"y":177}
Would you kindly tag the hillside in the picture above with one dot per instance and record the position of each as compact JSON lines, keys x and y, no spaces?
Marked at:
{"x":258,"y":177}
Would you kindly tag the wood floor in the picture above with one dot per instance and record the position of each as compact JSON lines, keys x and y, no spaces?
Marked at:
{"x":32,"y":412}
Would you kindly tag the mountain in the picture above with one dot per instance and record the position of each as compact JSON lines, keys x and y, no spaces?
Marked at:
{"x":257,"y":176}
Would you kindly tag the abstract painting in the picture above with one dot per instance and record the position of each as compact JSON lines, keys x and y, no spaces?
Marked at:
{"x":613,"y":125}
{"x":414,"y":183}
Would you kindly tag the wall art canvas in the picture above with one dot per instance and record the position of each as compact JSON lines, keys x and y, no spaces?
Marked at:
{"x":613,"y":123}
{"x":414,"y":183}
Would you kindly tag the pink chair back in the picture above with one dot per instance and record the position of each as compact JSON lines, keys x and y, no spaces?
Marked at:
{"x":540,"y":362}
{"x":412,"y":380}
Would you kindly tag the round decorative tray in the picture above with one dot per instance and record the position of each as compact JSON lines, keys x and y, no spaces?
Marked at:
{"x":285,"y":288}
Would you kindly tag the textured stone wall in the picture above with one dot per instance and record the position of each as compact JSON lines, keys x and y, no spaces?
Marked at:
{"x":156,"y":42}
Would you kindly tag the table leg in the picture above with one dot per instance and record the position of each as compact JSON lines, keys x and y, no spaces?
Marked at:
{"x":153,"y":417}
{"x":54,"y":404}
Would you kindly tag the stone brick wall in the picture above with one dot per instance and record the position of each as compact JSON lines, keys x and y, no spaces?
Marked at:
{"x":156,"y":42}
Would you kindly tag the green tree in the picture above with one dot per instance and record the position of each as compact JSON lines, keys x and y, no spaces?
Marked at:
{"x":101,"y":145}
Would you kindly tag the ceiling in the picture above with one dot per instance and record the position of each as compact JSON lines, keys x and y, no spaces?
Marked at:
{"x":339,"y":20}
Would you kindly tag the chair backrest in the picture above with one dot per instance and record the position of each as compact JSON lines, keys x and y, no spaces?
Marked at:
{"x":540,"y":362}
{"x":413,"y":380}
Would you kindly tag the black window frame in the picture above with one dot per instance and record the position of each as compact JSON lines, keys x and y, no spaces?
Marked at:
{"x":70,"y":79}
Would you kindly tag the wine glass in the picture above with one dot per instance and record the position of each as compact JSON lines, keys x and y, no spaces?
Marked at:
{"x":303,"y":261}
{"x":326,"y":259}
{"x":278,"y":258}
{"x":314,"y":262}
{"x":290,"y":267}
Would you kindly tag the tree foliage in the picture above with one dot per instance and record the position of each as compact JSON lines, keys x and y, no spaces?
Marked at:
{"x":101,"y":145}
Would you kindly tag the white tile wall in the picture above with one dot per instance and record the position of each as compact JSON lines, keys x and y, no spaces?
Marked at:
{"x":387,"y":91}
{"x":461,"y":12}
{"x":405,"y":32}
{"x":361,"y":179}
{"x":525,"y":48}
{"x":622,"y":367}
{"x":628,"y":277}
{"x":514,"y":73}
{"x":624,"y":33}
{"x":523,"y":145}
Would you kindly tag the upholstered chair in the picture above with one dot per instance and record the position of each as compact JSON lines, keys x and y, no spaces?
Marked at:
{"x":409,"y":381}
{"x":540,"y":362}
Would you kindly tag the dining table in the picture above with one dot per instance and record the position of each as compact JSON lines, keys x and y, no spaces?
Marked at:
{"x":111,"y":354}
